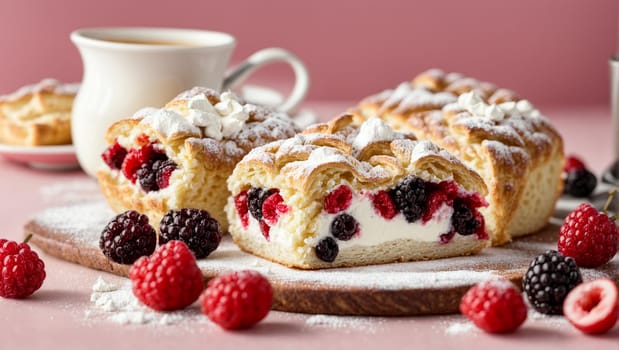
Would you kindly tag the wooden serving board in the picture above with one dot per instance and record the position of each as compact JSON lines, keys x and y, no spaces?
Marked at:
{"x":400,"y":289}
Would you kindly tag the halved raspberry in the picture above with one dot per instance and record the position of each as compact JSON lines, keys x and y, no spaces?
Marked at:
{"x":240,"y":203}
{"x":134,"y":160}
{"x":383,"y":205}
{"x":338,"y":199}
{"x":114,"y":156}
{"x":436,"y":200}
{"x":592,"y":306}
{"x":273,"y":207}
{"x":265,"y":229}
{"x":495,"y":306}
{"x":163,"y":172}
{"x":255,"y":198}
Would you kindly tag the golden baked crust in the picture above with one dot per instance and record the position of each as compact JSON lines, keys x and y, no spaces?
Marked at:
{"x":203,"y":162}
{"x":305,"y":168}
{"x":38,"y":115}
{"x":516,"y":150}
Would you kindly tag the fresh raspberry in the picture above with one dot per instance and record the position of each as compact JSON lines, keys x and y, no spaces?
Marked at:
{"x":273,"y":207}
{"x":344,"y":227}
{"x":593,"y":307}
{"x":265,"y":229}
{"x":495,"y":306}
{"x":127,"y":237}
{"x":338,"y":199}
{"x":169,"y":279}
{"x":409,"y":197}
{"x":573,"y":163}
{"x":22,"y":272}
{"x":436,"y":200}
{"x":240,"y":203}
{"x":237,"y":300}
{"x":548,"y":279}
{"x":588,"y":236}
{"x":134,"y":160}
{"x":194,"y":227}
{"x":164,"y":172}
{"x":327,"y":249}
{"x":579,"y":183}
{"x":383,"y":205}
{"x":114,"y":156}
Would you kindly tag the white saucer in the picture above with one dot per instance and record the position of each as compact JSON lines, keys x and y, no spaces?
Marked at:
{"x":42,"y":157}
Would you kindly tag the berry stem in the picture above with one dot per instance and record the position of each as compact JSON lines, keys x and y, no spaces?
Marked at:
{"x":27,"y":239}
{"x":611,"y":195}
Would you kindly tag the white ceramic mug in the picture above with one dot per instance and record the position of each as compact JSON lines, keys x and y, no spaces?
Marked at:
{"x":126,"y":69}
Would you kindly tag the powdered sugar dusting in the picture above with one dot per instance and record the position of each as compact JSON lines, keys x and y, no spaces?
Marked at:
{"x":70,"y":191}
{"x":457,"y":328}
{"x":117,"y":304}
{"x":365,"y":324}
{"x":81,"y":223}
{"x":45,"y":85}
{"x":84,"y":222}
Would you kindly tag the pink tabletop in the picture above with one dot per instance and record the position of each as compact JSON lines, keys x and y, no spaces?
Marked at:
{"x":61,"y":316}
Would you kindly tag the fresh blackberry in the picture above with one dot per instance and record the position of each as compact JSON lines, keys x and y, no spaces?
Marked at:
{"x":548,"y":280}
{"x":127,"y":237}
{"x":580,"y":183}
{"x":327,"y":249}
{"x":150,"y":171}
{"x":344,"y":227}
{"x":194,"y":227}
{"x":255,"y":198}
{"x":409,"y":197}
{"x":463,"y":219}
{"x":147,"y":177}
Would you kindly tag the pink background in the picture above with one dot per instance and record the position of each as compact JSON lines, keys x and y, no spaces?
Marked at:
{"x":552,"y":52}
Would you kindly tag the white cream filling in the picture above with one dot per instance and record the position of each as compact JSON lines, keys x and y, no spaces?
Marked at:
{"x":374,"y":229}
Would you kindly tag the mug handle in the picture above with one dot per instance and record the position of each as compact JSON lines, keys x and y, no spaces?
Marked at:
{"x":271,"y":55}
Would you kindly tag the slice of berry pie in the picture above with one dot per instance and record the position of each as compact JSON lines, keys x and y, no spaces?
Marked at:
{"x":180,"y":156}
{"x":341,"y":194}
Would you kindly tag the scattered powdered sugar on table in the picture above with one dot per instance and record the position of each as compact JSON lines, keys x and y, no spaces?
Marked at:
{"x":457,"y":328}
{"x":117,"y":304}
{"x":366,"y":324}
{"x":73,"y":191}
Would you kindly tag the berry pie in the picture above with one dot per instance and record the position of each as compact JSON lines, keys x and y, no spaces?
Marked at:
{"x":180,"y":156}
{"x":515,"y":149}
{"x":343,"y":194}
